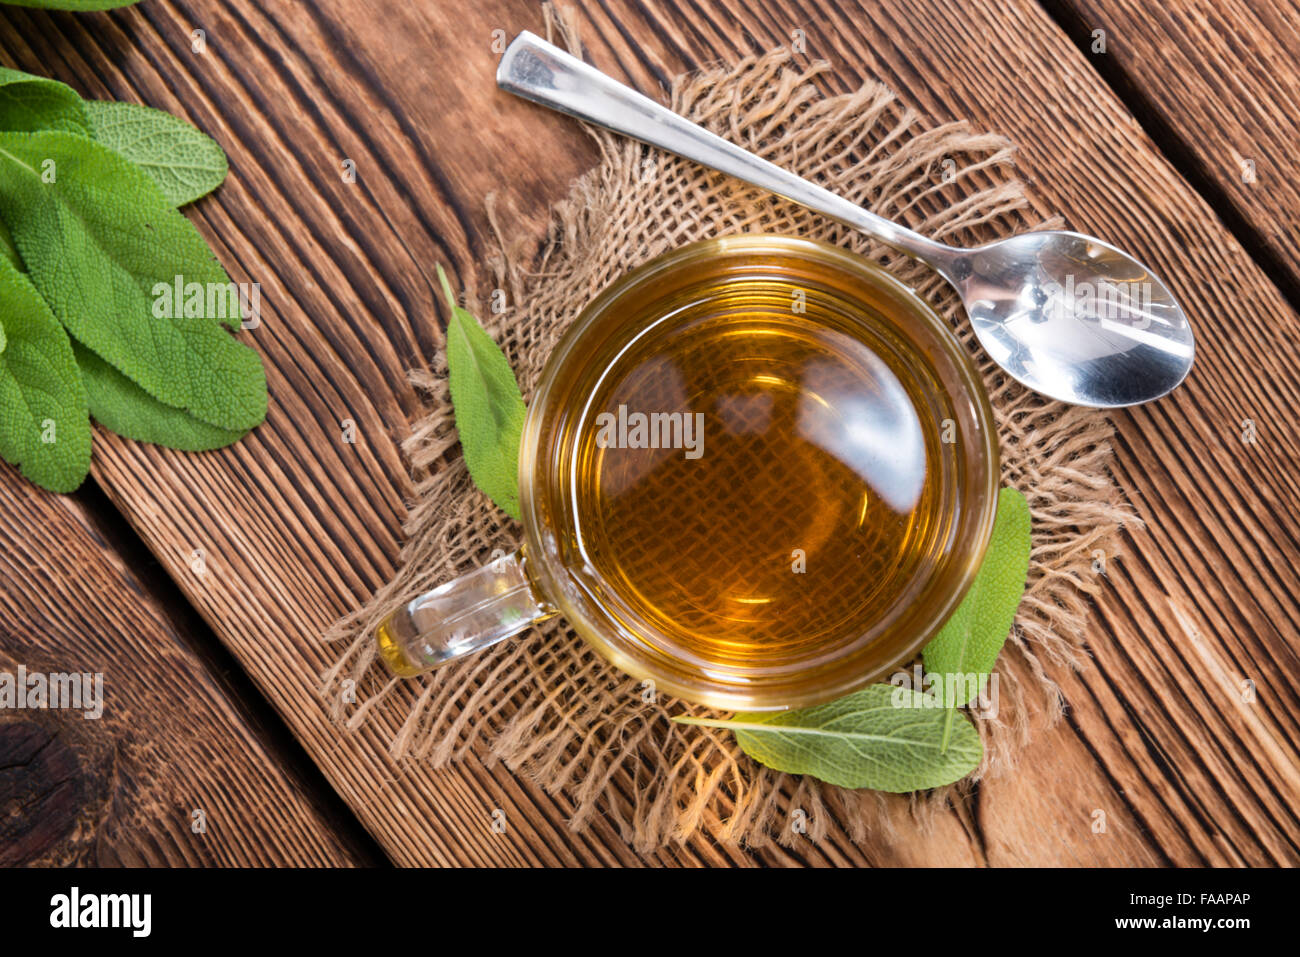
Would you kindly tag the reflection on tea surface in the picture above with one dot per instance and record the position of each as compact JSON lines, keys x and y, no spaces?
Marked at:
{"x":799,"y":513}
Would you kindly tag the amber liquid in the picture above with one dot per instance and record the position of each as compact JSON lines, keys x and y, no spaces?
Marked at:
{"x":802,"y":508}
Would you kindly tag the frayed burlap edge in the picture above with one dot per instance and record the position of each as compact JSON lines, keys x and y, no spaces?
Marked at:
{"x":547,"y":705}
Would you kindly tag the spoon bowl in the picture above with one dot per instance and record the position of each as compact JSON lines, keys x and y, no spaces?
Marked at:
{"x":1074,"y":318}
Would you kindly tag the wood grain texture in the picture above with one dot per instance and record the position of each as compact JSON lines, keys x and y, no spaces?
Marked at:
{"x":123,"y":788}
{"x":1207,"y":598}
{"x":1220,"y":85}
{"x":298,"y":525}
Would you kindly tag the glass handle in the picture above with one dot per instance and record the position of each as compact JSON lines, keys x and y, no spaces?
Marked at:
{"x":459,"y":617}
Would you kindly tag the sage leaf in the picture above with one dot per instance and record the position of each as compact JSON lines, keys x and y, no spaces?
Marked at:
{"x":123,"y":407}
{"x":488,"y":405}
{"x":44,"y":426}
{"x":29,"y":103}
{"x":970,"y":640}
{"x":883,"y":737}
{"x":184,"y":162}
{"x":99,"y":240}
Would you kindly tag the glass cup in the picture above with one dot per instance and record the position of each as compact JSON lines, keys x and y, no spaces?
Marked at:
{"x":818,"y":506}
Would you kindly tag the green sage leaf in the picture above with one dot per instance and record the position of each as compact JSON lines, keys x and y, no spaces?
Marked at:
{"x":123,"y":407}
{"x":44,"y":426}
{"x":29,"y":103}
{"x":883,"y":737}
{"x":488,"y":405}
{"x":184,"y":162}
{"x":970,"y":640}
{"x":100,"y":241}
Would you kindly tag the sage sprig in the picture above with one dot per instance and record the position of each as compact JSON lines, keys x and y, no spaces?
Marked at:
{"x":97,"y":238}
{"x":112,"y":306}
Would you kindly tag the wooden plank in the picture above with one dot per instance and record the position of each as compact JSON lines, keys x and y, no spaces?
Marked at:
{"x":1218,"y":85}
{"x":298,"y":526}
{"x":172,"y":770}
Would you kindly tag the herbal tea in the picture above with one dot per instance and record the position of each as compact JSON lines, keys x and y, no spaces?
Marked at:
{"x":752,"y":474}
{"x":756,"y":473}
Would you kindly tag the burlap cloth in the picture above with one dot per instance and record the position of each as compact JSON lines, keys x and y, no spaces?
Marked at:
{"x":548,"y":706}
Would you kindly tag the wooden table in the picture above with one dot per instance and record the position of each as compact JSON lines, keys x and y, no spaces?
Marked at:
{"x":200,"y":583}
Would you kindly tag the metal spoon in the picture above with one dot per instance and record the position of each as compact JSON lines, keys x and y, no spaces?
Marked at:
{"x":1069,"y":316}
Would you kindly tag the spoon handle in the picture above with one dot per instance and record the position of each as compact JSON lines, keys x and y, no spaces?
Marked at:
{"x":545,"y":74}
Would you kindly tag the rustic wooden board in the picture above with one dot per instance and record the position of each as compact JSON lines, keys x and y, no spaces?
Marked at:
{"x":171,"y":740}
{"x":1208,"y":596}
{"x":298,"y":526}
{"x":1219,"y":83}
